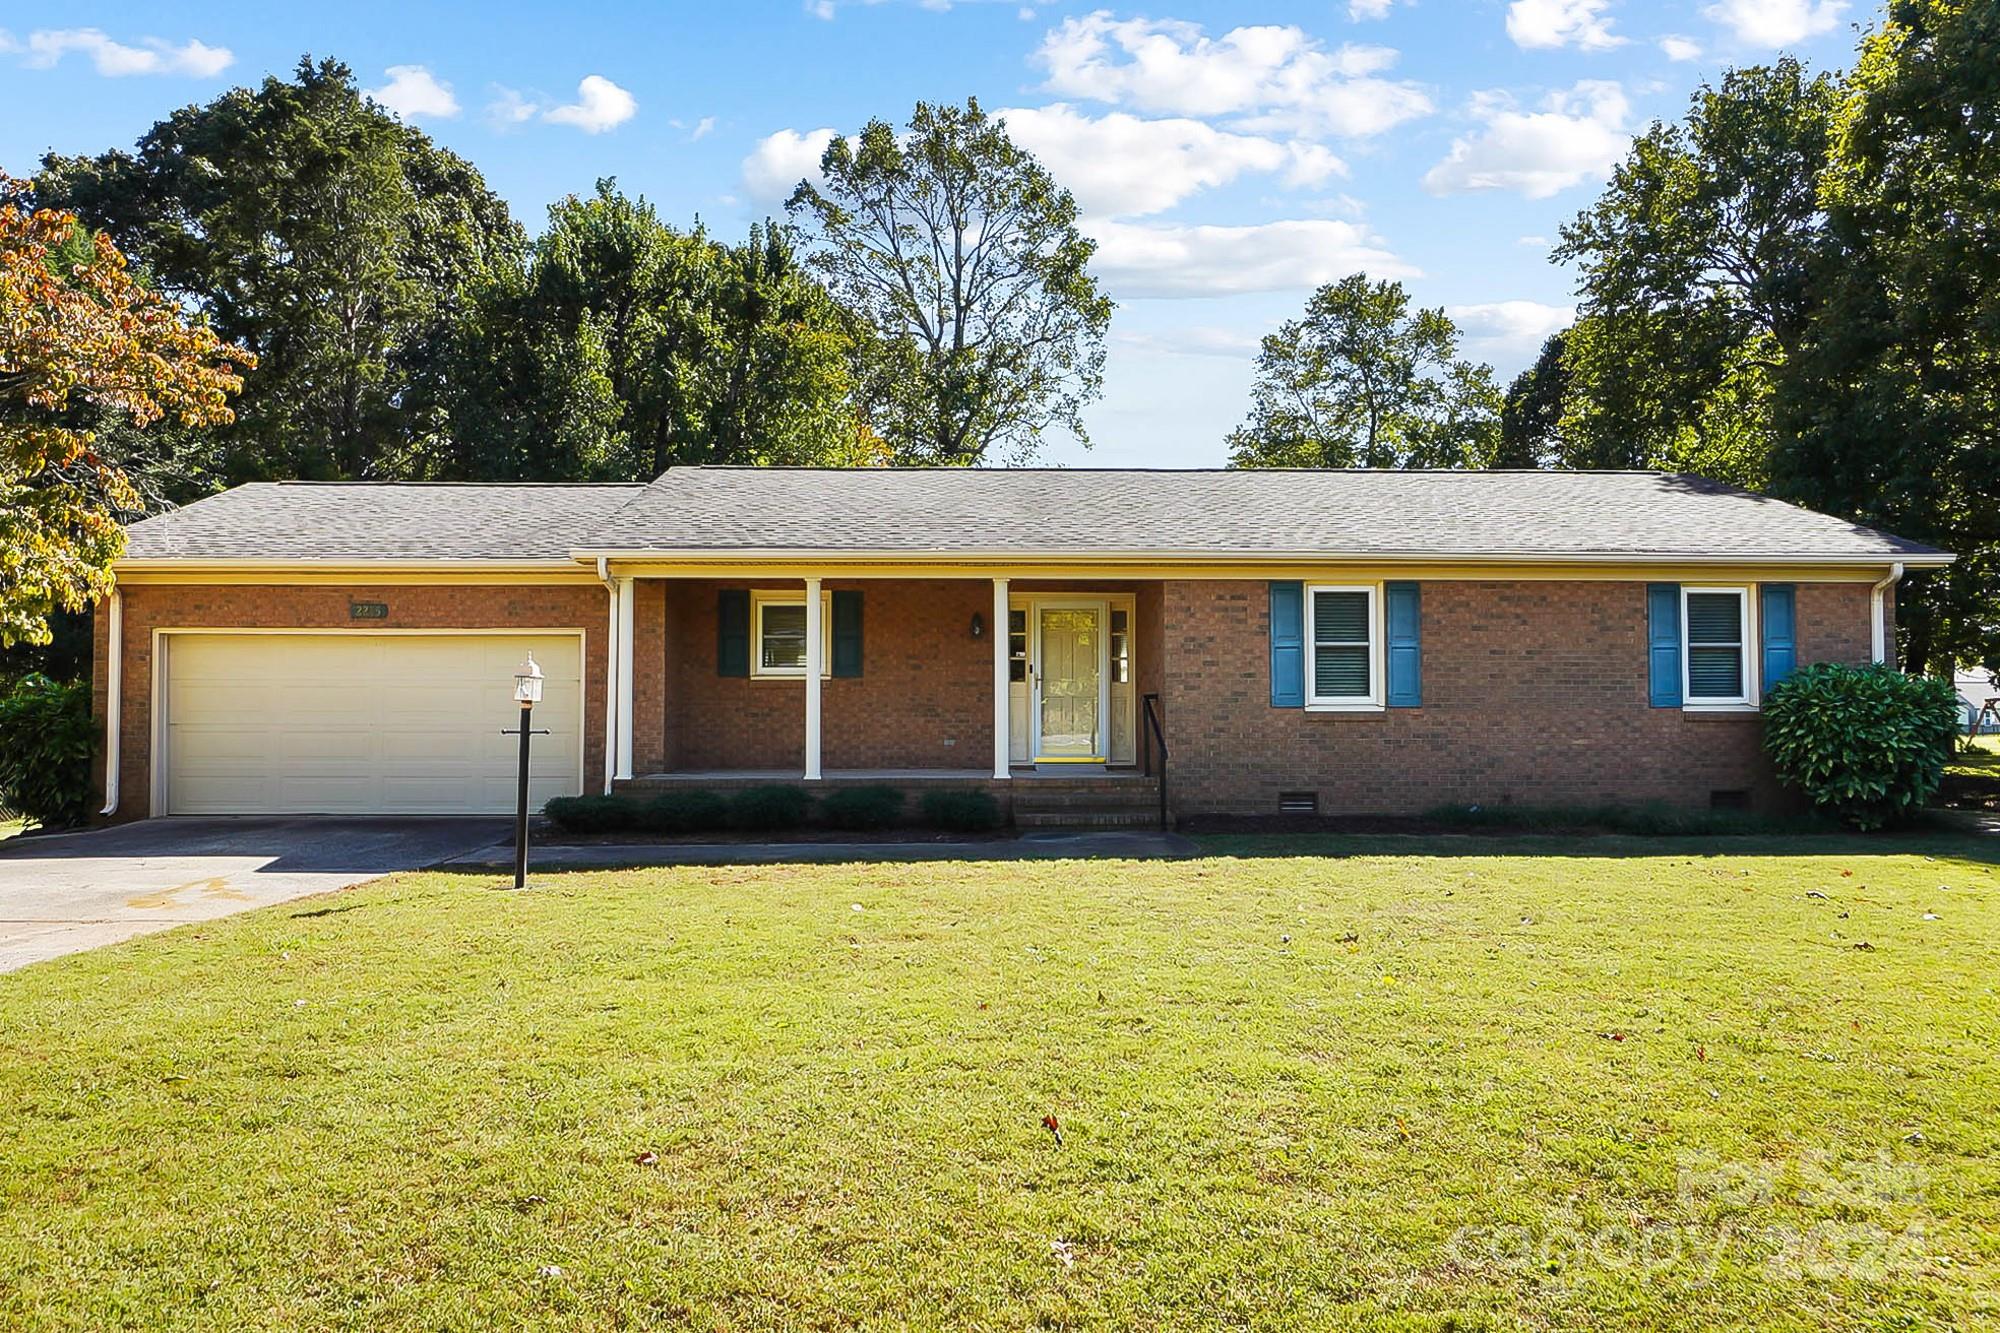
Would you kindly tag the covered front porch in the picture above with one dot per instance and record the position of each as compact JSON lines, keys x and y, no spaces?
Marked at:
{"x":839,"y":678}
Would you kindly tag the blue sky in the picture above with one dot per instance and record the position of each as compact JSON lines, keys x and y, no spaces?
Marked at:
{"x":1229,"y":157}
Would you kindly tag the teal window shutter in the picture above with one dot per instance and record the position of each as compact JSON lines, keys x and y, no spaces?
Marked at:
{"x":1663,"y":643}
{"x":1288,"y":645}
{"x":847,"y":633}
{"x":732,"y":632}
{"x":1406,"y":668}
{"x":1778,"y":620}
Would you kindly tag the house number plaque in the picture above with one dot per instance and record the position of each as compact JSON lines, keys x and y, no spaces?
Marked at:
{"x":367,"y":610}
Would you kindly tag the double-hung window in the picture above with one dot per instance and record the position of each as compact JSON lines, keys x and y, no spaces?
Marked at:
{"x":1715,"y":639}
{"x":1343,"y":648}
{"x":778,"y":629}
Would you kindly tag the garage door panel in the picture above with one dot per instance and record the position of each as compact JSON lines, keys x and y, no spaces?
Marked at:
{"x":361,"y":723}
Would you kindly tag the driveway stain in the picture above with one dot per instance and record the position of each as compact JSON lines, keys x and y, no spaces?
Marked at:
{"x":217,"y":888}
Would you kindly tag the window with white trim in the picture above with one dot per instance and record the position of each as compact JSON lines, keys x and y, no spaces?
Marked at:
{"x":1715,"y":647}
{"x":778,"y":629}
{"x":1343,"y":648}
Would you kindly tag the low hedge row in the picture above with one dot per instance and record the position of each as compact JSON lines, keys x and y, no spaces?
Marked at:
{"x":773,"y":809}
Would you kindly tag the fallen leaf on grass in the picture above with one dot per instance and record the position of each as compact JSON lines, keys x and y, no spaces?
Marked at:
{"x":1814,"y":893}
{"x":647,"y":1158}
{"x":1701,"y":1054}
{"x":1049,"y":1123}
{"x":1351,"y":937}
{"x":1064,"y":1255}
{"x":1612,"y":1036}
{"x":1403,"y":1128}
{"x":1864,"y":946}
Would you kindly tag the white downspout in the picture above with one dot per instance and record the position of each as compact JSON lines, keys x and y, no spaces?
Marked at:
{"x":610,"y":675}
{"x":114,"y":698}
{"x":1878,"y":632}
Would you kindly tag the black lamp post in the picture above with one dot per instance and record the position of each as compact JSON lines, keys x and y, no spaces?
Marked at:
{"x":527,"y":693}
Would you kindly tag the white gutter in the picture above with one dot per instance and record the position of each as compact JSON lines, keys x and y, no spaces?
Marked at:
{"x":1879,"y":632}
{"x":779,"y":555}
{"x":610,"y":676}
{"x":114,"y":709}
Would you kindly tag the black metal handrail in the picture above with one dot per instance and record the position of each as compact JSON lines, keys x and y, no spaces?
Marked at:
{"x":1156,"y":736}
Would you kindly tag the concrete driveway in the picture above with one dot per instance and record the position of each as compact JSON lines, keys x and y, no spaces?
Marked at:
{"x":67,"y":892}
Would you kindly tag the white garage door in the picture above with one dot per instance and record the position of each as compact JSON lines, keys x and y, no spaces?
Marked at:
{"x":364,"y":723}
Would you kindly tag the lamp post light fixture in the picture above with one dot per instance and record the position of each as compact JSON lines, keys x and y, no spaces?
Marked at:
{"x":527,"y":693}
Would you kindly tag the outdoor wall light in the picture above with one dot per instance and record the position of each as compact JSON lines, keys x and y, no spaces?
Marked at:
{"x":978,"y":626}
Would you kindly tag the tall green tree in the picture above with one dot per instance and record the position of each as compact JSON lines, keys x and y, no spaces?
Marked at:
{"x":625,"y":347}
{"x":1531,"y":416}
{"x":1891,"y":413}
{"x":984,"y":329}
{"x":321,"y":233}
{"x":1362,"y":380}
{"x":1694,"y":265}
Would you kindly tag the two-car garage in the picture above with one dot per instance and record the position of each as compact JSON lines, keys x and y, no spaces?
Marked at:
{"x":359,"y":722}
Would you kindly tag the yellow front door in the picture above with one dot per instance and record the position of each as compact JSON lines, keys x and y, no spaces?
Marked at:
{"x":1070,"y":685}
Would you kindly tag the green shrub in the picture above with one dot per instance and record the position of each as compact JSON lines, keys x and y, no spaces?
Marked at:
{"x":1867,"y":745}
{"x":861,"y":807}
{"x":769,"y":808}
{"x":961,"y":811}
{"x":593,"y":814}
{"x":685,"y":812}
{"x":47,"y":740}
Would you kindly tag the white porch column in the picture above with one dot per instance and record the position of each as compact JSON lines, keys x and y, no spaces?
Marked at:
{"x":626,"y":602}
{"x":814,"y":665}
{"x":611,"y":587}
{"x":1000,"y":720}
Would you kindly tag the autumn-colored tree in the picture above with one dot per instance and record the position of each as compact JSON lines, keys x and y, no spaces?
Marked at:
{"x":81,"y":344}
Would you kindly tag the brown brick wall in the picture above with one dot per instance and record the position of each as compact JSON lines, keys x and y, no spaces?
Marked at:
{"x":1534,"y":693}
{"x":924,"y":698}
{"x":149,"y":607}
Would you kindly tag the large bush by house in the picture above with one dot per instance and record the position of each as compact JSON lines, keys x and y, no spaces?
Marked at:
{"x":47,"y":740}
{"x":1867,"y":745}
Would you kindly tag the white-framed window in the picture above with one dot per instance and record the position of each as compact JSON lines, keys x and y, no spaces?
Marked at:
{"x":778,"y":634}
{"x":1716,"y":634}
{"x":1344,"y":667}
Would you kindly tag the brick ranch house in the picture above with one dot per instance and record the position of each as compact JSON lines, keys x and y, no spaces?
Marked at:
{"x":1346,"y":642}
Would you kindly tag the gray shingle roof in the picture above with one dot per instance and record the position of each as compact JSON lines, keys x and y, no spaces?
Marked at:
{"x":341,"y":521}
{"x":1202,"y":513}
{"x":1322,"y":514}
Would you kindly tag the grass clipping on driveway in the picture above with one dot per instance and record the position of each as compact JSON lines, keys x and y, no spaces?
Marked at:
{"x":1640,"y":1088}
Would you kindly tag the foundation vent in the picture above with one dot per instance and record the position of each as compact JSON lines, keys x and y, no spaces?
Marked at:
{"x":1298,"y":802}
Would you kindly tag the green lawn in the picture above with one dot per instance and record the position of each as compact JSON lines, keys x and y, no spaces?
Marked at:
{"x":1597,"y":1084}
{"x":1977,"y":756}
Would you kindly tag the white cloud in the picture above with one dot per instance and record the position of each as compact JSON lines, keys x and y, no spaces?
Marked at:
{"x":45,"y":47}
{"x":1680,"y":48}
{"x":413,"y":92}
{"x":1770,"y":23}
{"x":1508,"y":333}
{"x":600,"y":105}
{"x":1363,"y":11}
{"x":780,"y":161}
{"x":1140,"y":260}
{"x":702,"y":129}
{"x":508,"y":108}
{"x":1578,"y":136}
{"x":1547,"y":24}
{"x":1274,"y":79}
{"x":1123,"y":166}
{"x":1531,"y":240}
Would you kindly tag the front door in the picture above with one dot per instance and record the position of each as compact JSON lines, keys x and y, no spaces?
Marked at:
{"x":1069,"y":682}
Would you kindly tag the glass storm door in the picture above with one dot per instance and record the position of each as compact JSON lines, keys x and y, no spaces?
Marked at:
{"x":1069,"y":686}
